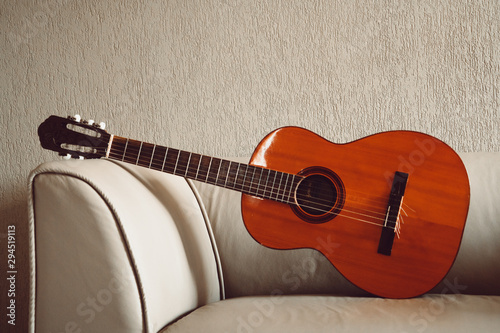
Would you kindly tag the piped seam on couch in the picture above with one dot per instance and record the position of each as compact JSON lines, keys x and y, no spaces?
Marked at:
{"x":32,"y":247}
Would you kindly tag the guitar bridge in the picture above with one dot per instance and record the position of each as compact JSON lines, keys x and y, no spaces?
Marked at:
{"x":391,"y":217}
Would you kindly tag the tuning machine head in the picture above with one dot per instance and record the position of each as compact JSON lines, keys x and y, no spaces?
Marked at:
{"x":74,"y":136}
{"x":70,"y":156}
{"x":77,"y":118}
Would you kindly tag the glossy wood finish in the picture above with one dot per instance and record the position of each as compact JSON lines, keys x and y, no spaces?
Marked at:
{"x":434,"y":207}
{"x":282,"y":203}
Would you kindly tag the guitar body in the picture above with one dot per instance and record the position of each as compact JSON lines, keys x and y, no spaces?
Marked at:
{"x":359,"y":176}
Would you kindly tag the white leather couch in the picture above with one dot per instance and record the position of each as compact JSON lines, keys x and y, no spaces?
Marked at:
{"x":118,"y":248}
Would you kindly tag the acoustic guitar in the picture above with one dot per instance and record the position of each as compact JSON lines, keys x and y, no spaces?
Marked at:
{"x":387,"y":210}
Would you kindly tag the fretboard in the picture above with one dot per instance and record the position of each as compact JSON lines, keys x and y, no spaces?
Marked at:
{"x":248,"y":179}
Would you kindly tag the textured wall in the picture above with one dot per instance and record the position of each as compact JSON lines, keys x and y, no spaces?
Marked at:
{"x":216,"y":76}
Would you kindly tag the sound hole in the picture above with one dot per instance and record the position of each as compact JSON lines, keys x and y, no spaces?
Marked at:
{"x":319,"y":197}
{"x":316,"y":195}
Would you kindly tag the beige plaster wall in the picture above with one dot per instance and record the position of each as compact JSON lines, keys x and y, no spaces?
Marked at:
{"x":215,"y":76}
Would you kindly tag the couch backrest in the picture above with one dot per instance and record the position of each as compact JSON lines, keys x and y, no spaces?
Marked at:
{"x":476,"y":269}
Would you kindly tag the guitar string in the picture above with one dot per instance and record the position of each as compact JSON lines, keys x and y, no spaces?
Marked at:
{"x":256,"y":187}
{"x":324,"y":211}
{"x":265,"y":188}
{"x":185,"y":167}
{"x":325,"y":204}
{"x":317,"y":204}
{"x":344,"y":209}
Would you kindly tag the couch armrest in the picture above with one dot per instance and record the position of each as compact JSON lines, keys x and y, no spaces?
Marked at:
{"x":116,"y":248}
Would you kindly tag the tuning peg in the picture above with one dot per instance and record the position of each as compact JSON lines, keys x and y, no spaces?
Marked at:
{"x":90,"y":122}
{"x":101,"y":125}
{"x":77,"y":118}
{"x":66,"y":157}
{"x":80,"y":157}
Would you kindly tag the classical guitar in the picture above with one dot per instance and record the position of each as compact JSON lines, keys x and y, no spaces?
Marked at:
{"x":388,"y":210}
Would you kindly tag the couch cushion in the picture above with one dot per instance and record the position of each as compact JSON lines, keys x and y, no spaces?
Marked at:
{"x":432,"y":313}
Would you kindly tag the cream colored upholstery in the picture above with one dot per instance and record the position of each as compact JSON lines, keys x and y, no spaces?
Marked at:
{"x":116,"y":249}
{"x":119,"y":248}
{"x":306,"y":313}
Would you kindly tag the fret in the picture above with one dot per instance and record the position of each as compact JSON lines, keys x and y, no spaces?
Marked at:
{"x":233,"y":175}
{"x":251,"y":182}
{"x":222,"y":173}
{"x":138,"y":154}
{"x":270,"y":187}
{"x":218,"y":172}
{"x":132,"y":151}
{"x":245,"y":181}
{"x":284,"y":189}
{"x":198,"y":167}
{"x":152,"y":154}
{"x":291,"y":190}
{"x":182,"y":163}
{"x":187,"y":164}
{"x":258,"y":178}
{"x":287,"y":192}
{"x":208,"y":170}
{"x":171,"y":160}
{"x":239,"y":181}
{"x":266,"y":188}
{"x":263,"y":186}
{"x":249,"y":179}
{"x":227,"y":174}
{"x":273,"y":188}
{"x":264,"y":175}
{"x":193,"y":166}
{"x":158,"y":158}
{"x":278,"y":187}
{"x":117,"y":148}
{"x":270,"y":183}
{"x":164,"y":160}
{"x":213,"y":171}
{"x":205,"y":163}
{"x":145,"y":154}
{"x":124,"y":151}
{"x":176,"y":161}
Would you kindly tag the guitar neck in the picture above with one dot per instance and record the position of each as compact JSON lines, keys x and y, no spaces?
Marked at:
{"x":245,"y":178}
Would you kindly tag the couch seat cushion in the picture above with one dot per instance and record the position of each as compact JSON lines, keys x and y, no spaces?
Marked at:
{"x":303,"y":313}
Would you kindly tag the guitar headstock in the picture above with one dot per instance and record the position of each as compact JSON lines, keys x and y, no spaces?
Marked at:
{"x":72,"y":137}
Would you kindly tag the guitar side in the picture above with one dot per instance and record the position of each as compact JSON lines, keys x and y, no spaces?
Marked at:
{"x":430,"y":223}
